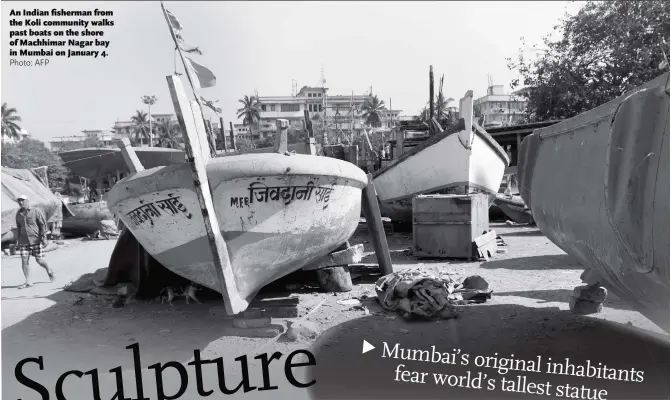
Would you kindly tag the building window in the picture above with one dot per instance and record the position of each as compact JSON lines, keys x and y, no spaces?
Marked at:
{"x":309,"y":94}
{"x":272,"y":107}
{"x":320,"y":95}
{"x":290,"y":107}
{"x":321,"y":108}
{"x":263,"y":107}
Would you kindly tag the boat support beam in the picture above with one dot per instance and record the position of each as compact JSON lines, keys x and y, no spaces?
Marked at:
{"x":189,"y":122}
{"x":371,"y":210}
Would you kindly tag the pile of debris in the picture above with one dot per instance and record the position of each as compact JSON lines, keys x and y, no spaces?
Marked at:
{"x":414,"y":294}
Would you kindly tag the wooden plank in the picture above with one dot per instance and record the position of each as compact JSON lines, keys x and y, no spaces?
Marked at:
{"x":263,"y":303}
{"x":281,"y":136}
{"x":132,"y":162}
{"x":371,"y":210}
{"x":436,"y":125}
{"x":400,"y":139}
{"x":310,"y":143}
{"x":485,"y":245}
{"x":222,"y":264}
{"x":347,"y":256}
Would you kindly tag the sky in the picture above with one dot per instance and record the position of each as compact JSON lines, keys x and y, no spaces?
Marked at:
{"x":263,"y":46}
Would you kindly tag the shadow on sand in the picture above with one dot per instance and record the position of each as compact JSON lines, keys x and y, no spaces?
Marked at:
{"x":563,"y":296}
{"x":509,"y":331}
{"x":545,"y":262}
{"x":523,"y":233}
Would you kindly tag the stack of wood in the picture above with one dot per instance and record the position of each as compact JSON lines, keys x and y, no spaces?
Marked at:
{"x":333,"y":272}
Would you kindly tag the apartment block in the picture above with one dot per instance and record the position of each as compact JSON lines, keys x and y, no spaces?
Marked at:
{"x":332,"y":112}
{"x":498,"y":108}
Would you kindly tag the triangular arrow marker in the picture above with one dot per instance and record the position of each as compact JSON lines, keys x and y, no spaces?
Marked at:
{"x":367,"y":347}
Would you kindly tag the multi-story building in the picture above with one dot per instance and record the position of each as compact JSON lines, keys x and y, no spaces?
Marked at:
{"x":129,"y":128}
{"x":334,"y":113}
{"x":100,"y":137}
{"x":498,"y":108}
{"x":161,"y":118}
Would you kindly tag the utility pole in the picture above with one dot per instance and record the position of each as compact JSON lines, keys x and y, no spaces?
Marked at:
{"x":391,"y":115}
{"x":351,"y":123}
{"x":430,"y":98}
{"x":150,"y":101}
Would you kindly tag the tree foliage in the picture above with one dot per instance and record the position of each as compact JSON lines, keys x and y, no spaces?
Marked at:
{"x":10,"y":126}
{"x":250,"y":112}
{"x":605,"y":50}
{"x":32,"y":153}
{"x":372,"y":111}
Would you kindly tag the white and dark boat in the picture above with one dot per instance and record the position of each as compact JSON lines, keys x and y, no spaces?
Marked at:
{"x":462,"y":159}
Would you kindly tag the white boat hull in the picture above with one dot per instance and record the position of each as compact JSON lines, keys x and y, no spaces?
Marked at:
{"x":459,"y":161}
{"x":276,"y":213}
{"x":444,"y":167}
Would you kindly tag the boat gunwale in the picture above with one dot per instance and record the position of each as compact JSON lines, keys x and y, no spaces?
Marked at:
{"x":348,"y":170}
{"x":442,"y":187}
{"x":597,"y":114}
{"x":461,"y":126}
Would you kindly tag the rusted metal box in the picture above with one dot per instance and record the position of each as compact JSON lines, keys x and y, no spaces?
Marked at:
{"x":445,"y":225}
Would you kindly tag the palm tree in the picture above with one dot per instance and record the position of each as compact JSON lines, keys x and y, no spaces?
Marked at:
{"x":371,"y":111}
{"x":250,"y":112}
{"x":10,"y":128}
{"x":141,"y":125}
{"x":442,"y":107}
{"x":169,"y":134}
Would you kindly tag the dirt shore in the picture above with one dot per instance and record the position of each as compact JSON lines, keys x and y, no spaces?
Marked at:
{"x":528,"y":316}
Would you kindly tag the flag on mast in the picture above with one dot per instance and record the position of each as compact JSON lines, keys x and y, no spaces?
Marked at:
{"x":205,"y":77}
{"x":190,"y":49}
{"x":211,"y":105}
{"x":175,"y":25}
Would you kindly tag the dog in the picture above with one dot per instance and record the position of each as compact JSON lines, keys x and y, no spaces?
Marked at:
{"x":169,"y":293}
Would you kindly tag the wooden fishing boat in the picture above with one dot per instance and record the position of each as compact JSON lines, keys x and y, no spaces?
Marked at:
{"x":86,"y":218}
{"x":105,"y":166}
{"x":598,"y":187}
{"x":514,"y":208}
{"x":277,"y":213}
{"x":459,"y":160}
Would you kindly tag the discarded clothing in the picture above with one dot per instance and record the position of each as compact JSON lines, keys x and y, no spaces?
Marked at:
{"x":416,"y":293}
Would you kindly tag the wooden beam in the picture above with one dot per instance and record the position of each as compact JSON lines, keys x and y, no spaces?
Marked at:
{"x":132,"y":162}
{"x":516,"y":153}
{"x":281,"y":136}
{"x":436,"y":125}
{"x":197,"y":153}
{"x":400,"y":142}
{"x":371,"y":210}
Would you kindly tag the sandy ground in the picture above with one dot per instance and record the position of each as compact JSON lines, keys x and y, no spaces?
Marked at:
{"x":527,"y":317}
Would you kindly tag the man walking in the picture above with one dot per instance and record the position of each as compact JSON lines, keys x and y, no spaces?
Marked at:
{"x":32,"y":231}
